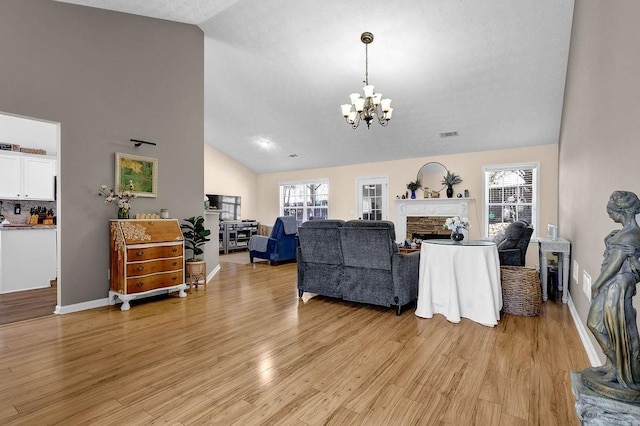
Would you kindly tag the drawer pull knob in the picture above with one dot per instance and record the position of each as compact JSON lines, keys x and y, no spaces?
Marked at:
{"x":140,"y":268}
{"x":139,"y":284}
{"x":175,"y":277}
{"x":175,"y":249}
{"x":140,"y":253}
{"x":174,"y":263}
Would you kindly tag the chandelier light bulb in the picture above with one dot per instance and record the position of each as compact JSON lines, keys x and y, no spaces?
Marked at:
{"x":371,"y":105}
{"x":368,"y":91}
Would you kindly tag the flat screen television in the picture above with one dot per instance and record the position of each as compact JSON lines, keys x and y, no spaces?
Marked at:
{"x":229,"y":205}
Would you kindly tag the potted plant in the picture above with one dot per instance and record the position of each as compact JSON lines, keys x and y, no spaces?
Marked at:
{"x":413,"y":186}
{"x":449,"y":180}
{"x":195,"y":236}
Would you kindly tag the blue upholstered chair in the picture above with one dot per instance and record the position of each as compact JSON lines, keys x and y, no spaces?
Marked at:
{"x":280,"y":246}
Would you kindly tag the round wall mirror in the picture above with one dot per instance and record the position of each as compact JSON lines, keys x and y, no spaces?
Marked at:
{"x":431,"y":175}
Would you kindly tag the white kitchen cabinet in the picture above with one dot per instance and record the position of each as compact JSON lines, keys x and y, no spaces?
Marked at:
{"x":27,"y":258}
{"x":38,"y":181}
{"x":27,"y":177}
{"x":10,"y":176}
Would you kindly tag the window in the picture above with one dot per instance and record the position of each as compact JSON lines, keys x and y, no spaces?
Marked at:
{"x":305,"y":200}
{"x":510,"y":194}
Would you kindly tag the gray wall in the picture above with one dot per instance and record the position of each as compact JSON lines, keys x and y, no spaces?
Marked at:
{"x":106,"y":77}
{"x":599,"y":144}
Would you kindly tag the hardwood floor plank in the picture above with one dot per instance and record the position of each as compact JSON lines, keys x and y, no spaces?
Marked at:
{"x":487,"y":413}
{"x":249,"y":351}
{"x":26,"y":305}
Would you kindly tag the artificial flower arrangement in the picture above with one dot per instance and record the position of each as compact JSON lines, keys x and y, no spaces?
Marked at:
{"x":123,"y":198}
{"x":456,"y":223}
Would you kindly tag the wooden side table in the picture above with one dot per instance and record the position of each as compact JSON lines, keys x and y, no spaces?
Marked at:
{"x":558,"y":245}
{"x":405,"y":250}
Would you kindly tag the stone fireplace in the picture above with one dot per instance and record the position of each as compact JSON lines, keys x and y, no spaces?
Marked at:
{"x":427,"y":216}
{"x":426,"y":227}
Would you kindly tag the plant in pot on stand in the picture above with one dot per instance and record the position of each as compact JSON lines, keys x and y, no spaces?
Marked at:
{"x":449,"y":180}
{"x":195,"y":236}
{"x":413,"y":186}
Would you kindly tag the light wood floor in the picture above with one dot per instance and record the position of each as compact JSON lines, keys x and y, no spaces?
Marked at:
{"x":248,"y":351}
{"x":23,"y":305}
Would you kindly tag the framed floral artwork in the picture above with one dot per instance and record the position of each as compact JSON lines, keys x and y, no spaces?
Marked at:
{"x":142,"y":172}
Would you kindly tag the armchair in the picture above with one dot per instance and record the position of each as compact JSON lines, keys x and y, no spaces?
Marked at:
{"x":280,"y":246}
{"x":512,"y":249}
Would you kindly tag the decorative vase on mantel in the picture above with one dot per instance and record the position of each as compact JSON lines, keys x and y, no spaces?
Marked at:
{"x":413,"y":195}
{"x":123,"y":214}
{"x":457,"y":236}
{"x":449,"y":191}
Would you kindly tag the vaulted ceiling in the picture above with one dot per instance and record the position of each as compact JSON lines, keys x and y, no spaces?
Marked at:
{"x":277,"y":71}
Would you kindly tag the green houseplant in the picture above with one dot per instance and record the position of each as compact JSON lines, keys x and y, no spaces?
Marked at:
{"x":449,"y":180}
{"x":195,"y":236}
{"x":413,"y":186}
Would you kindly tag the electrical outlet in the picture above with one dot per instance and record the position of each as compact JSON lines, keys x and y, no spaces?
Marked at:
{"x":575,"y":271}
{"x":586,"y":284}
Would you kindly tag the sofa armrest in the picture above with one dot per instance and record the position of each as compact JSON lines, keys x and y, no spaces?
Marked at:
{"x":406,"y":271}
{"x":510,"y":257}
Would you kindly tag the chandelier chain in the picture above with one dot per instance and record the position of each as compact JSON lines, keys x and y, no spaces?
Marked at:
{"x":366,"y":64}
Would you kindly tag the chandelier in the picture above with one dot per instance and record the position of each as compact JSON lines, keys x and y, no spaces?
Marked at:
{"x":371,"y":105}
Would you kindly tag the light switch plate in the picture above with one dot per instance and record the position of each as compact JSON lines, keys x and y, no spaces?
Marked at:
{"x":575,"y":271}
{"x":586,"y":284}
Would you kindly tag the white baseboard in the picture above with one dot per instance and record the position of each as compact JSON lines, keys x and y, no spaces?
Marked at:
{"x":81,"y":306}
{"x":592,"y":353}
{"x":105,"y":302}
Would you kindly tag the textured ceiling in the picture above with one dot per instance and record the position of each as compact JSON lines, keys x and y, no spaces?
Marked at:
{"x":277,"y":71}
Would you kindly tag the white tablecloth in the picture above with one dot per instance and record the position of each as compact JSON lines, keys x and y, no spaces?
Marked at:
{"x":460,"y":280}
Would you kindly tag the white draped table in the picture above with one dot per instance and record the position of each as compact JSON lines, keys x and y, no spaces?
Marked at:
{"x":460,"y":280}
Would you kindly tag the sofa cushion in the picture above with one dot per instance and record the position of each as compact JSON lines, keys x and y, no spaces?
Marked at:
{"x":366,"y":247}
{"x":320,"y":241}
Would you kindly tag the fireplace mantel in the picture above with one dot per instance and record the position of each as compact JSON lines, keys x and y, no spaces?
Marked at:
{"x":427,"y":207}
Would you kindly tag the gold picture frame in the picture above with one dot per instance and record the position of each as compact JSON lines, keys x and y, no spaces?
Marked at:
{"x":141,"y":171}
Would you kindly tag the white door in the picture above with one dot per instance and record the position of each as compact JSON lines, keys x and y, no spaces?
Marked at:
{"x":373,"y":198}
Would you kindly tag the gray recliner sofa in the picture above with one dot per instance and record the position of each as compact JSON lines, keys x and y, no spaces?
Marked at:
{"x":357,"y":261}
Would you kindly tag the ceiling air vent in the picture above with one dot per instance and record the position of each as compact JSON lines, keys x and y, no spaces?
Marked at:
{"x":448,"y":134}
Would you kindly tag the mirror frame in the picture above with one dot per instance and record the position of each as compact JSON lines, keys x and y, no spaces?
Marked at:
{"x":433,"y":165}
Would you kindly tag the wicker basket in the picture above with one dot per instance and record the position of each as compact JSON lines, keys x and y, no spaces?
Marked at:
{"x":33,"y":151}
{"x":521,"y":291}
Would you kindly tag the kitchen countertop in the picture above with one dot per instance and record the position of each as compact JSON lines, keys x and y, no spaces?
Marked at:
{"x":24,"y":226}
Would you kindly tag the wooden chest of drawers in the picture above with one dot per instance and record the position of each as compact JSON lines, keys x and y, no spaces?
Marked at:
{"x":147,"y":258}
